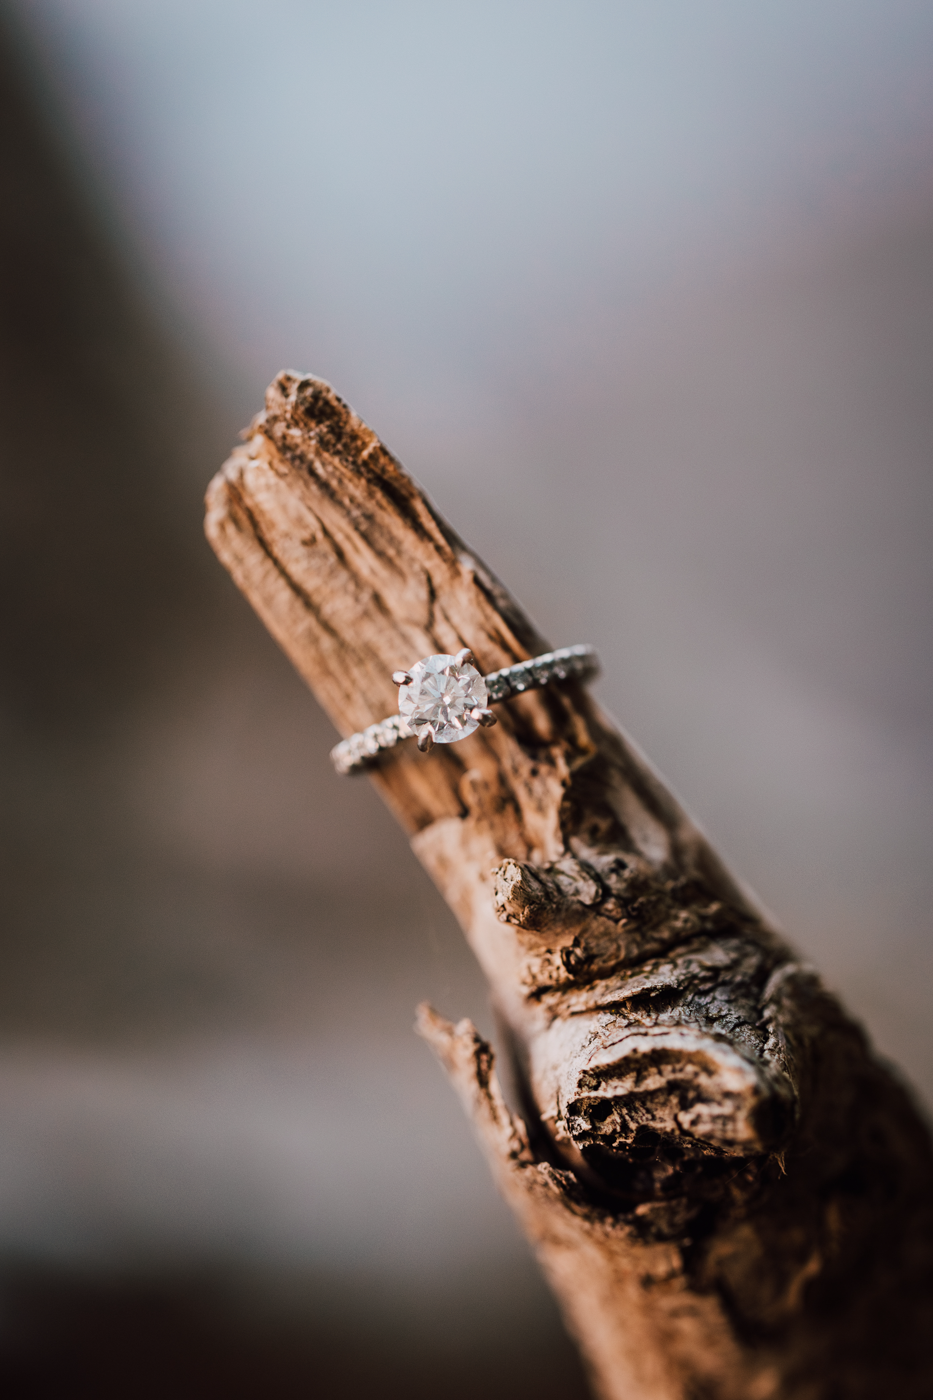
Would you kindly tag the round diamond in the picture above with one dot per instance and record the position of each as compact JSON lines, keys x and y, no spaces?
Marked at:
{"x":442,"y":694}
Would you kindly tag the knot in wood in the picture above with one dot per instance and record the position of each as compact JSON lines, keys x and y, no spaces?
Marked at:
{"x":525,"y":896}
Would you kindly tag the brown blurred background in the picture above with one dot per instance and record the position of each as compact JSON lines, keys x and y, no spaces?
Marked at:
{"x":644,"y":297}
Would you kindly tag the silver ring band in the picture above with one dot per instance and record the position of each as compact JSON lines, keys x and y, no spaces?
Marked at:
{"x":362,"y":750}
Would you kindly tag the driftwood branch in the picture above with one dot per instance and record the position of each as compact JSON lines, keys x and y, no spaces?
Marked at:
{"x":730,"y":1195}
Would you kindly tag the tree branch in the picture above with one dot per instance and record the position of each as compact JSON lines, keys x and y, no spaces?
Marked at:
{"x":729,"y":1194}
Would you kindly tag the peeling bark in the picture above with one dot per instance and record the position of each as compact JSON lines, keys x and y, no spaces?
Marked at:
{"x":729,"y":1194}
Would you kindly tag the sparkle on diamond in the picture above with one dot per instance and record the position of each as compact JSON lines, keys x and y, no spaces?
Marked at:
{"x":442,"y":694}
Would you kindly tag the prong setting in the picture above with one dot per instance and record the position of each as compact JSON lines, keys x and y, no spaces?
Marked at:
{"x":465,"y":658}
{"x":426,"y":739}
{"x":484,"y":716}
{"x":401,"y":677}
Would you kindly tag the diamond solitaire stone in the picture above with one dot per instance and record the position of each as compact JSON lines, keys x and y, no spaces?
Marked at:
{"x":442,"y":695}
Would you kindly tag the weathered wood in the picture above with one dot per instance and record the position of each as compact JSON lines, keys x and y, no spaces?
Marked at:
{"x":728,"y":1192}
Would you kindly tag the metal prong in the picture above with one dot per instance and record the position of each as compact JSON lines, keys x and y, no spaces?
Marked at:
{"x":401,"y":678}
{"x":485,"y":717}
{"x":465,"y":657}
{"x":426,"y":739}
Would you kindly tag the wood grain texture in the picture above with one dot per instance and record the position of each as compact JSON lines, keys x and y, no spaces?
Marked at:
{"x":728,"y":1192}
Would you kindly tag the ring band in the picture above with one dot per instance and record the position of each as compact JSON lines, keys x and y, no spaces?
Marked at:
{"x":362,"y":750}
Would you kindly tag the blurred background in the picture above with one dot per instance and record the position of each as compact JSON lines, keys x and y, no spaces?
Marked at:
{"x":643,"y":295}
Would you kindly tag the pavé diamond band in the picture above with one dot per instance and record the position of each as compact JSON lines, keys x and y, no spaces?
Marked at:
{"x":444,"y":698}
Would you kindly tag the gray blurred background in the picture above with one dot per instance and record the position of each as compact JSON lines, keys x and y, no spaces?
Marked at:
{"x":643,"y":295}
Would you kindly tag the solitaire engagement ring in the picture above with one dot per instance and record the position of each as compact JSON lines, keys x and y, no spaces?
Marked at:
{"x":444,"y":698}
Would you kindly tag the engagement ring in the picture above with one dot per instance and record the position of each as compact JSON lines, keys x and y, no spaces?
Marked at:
{"x":444,"y":698}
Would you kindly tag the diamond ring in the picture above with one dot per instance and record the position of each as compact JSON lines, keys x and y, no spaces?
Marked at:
{"x":444,"y":698}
